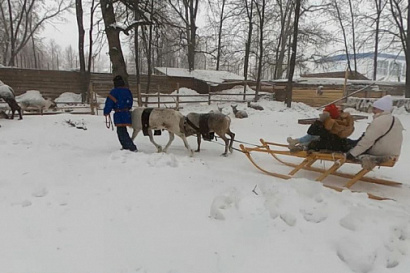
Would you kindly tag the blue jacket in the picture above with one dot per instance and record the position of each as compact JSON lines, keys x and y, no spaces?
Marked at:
{"x":119,"y":100}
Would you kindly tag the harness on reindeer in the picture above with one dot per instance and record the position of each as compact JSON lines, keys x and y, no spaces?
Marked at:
{"x":368,"y":163}
{"x":203,"y":128}
{"x":145,"y":122}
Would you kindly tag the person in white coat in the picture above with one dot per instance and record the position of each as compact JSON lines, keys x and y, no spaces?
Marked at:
{"x":384,"y":135}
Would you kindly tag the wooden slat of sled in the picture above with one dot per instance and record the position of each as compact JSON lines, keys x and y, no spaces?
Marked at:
{"x":310,"y":158}
{"x":312,"y":120}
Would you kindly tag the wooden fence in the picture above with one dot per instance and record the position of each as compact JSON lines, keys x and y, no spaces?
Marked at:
{"x":53,"y":83}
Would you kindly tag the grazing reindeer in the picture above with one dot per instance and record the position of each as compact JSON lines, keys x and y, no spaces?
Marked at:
{"x":239,"y":113}
{"x":7,"y":94}
{"x":34,"y":99}
{"x":203,"y":124}
{"x":255,"y":106}
{"x":160,"y":118}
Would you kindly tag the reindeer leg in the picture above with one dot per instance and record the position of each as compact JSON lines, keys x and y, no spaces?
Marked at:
{"x":226,"y":140}
{"x":151,"y":138}
{"x":134,"y":134}
{"x":232,"y":135}
{"x":171,"y":138}
{"x":198,"y":140}
{"x":182,"y":136}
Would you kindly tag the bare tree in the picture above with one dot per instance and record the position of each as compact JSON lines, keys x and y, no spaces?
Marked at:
{"x":249,"y":15}
{"x":340,"y":20}
{"x":23,"y":19}
{"x":293,"y":55}
{"x":113,"y":37}
{"x":187,"y":11}
{"x":260,"y":7}
{"x":400,"y":10}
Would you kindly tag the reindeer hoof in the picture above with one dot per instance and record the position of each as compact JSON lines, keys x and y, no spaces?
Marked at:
{"x":160,"y":149}
{"x":224,"y":154}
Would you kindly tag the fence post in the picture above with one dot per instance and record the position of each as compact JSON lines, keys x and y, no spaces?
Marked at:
{"x":345,"y":92}
{"x":209,"y":95}
{"x":96,"y":102}
{"x":159,"y":97}
{"x":177,"y":102}
{"x":139,"y":95}
{"x":244,"y":90}
{"x":91,"y":97}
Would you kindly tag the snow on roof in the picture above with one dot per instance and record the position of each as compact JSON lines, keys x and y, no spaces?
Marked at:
{"x":212,"y":77}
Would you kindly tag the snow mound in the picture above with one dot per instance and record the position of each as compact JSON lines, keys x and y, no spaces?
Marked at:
{"x":69,"y":97}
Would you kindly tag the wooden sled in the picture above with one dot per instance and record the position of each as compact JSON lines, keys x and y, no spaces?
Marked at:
{"x":309,"y":158}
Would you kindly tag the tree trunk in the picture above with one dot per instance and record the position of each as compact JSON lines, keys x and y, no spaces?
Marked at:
{"x":286,"y":18}
{"x":221,"y":18}
{"x":407,"y":53}
{"x":339,"y":17}
{"x":136,"y":49}
{"x":90,"y":34}
{"x":293,"y":56}
{"x":149,"y":52}
{"x":12,"y":38}
{"x":353,"y":38}
{"x":81,"y":34}
{"x":249,"y":11}
{"x":193,"y":8}
{"x":261,"y":25}
{"x":376,"y":38}
{"x":113,"y":37}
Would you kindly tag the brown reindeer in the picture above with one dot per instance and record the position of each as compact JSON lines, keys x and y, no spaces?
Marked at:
{"x":204,"y":124}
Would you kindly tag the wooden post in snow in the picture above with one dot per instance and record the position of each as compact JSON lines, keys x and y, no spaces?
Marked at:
{"x":209,"y":95}
{"x":139,"y":95}
{"x":177,"y":102}
{"x":159,"y":97}
{"x":345,"y":84}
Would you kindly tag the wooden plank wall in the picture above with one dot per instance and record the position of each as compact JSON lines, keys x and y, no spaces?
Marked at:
{"x":50,"y":83}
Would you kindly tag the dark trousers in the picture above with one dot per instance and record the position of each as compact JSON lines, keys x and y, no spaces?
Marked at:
{"x":327,"y":141}
{"x":125,"y":139}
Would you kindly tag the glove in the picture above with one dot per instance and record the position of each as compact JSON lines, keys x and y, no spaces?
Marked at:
{"x":324,"y":116}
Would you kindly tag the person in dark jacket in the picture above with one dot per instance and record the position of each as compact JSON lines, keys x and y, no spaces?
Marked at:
{"x":329,"y":132}
{"x":120,"y":100}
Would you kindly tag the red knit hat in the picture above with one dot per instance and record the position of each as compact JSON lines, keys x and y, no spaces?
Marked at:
{"x":333,"y":110}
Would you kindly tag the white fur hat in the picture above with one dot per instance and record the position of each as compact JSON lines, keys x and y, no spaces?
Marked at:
{"x":384,"y":103}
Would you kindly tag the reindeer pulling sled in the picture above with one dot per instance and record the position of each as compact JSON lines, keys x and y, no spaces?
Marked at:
{"x":278,"y":151}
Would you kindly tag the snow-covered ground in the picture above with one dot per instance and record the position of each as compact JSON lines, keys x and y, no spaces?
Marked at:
{"x":72,"y":201}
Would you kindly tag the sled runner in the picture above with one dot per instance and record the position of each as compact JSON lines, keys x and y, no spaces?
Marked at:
{"x":368,"y":162}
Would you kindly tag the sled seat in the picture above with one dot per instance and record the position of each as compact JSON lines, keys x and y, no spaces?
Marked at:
{"x":367,"y":162}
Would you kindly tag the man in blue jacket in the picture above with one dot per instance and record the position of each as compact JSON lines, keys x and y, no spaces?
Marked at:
{"x":120,"y":100}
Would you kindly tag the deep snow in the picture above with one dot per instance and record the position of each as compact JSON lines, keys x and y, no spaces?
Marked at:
{"x":72,"y":201}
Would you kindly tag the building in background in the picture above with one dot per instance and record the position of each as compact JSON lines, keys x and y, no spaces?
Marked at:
{"x":390,"y":67}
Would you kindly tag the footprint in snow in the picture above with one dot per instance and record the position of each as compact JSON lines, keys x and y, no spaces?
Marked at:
{"x":40,"y":193}
{"x":314,"y":215}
